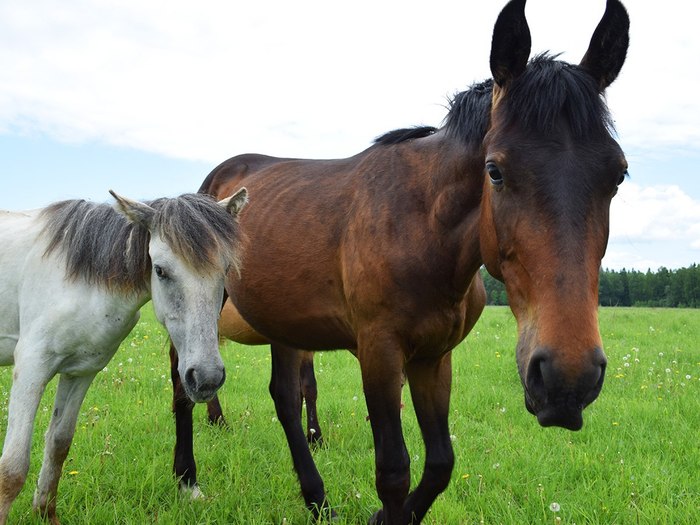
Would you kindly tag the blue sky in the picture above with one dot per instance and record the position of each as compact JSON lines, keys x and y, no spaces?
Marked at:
{"x":147,"y":97}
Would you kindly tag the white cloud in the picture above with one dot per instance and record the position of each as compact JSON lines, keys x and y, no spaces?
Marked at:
{"x":653,"y":226}
{"x":208,"y":80}
{"x":654,"y":101}
{"x":205,"y":81}
{"x":654,"y":213}
{"x":695,"y":236}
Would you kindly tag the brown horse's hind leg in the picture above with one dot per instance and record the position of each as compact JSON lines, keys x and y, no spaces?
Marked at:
{"x":309,"y":392}
{"x":285,"y":391}
{"x":430,"y":384}
{"x":184,"y":466}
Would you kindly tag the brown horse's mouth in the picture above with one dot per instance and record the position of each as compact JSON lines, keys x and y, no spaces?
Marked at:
{"x":565,"y":411}
{"x":570,"y":418}
{"x":554,"y":401}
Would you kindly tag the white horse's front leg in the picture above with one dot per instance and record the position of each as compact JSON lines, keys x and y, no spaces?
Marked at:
{"x":29,"y":381}
{"x":69,"y":397}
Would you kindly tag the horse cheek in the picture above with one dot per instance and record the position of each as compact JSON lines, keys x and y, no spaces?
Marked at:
{"x":488,"y":239}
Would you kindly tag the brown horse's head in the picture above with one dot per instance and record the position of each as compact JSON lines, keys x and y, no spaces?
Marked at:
{"x":551,"y":169}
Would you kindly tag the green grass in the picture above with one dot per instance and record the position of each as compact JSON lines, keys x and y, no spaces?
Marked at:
{"x":636,"y":461}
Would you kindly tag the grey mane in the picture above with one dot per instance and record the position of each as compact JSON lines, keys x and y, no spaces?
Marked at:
{"x":101,"y":246}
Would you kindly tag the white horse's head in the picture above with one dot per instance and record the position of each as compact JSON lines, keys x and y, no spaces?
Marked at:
{"x":193,"y":243}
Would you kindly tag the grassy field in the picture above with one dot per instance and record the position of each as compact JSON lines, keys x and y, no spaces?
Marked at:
{"x":636,"y":461}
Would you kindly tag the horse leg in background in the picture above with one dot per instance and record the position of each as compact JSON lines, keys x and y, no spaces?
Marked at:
{"x":382,"y":363}
{"x":27,"y":388}
{"x":184,"y":465}
{"x":430,"y":383}
{"x":285,"y":391}
{"x":69,"y":398}
{"x":309,"y":393}
{"x":215,"y":414}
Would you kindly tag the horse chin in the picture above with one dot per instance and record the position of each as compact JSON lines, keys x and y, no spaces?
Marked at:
{"x":201,"y":383}
{"x":200,"y":396}
{"x":552,"y":416}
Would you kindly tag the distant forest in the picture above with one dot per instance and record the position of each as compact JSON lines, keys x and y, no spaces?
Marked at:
{"x":669,"y":288}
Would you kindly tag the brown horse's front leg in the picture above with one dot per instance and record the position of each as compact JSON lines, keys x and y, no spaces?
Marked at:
{"x":285,"y":392}
{"x":309,"y":392}
{"x":184,"y":465}
{"x":382,"y":364}
{"x":430,"y":383}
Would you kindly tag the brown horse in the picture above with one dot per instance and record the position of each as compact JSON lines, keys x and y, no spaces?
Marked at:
{"x":380,"y":253}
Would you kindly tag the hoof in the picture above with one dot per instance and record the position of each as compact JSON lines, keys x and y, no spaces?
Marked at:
{"x":314,"y":438}
{"x":324,"y":513}
{"x":192,"y":492}
{"x":218,"y":421}
{"x":377,"y":518}
{"x":45,"y":506}
{"x":48,"y":514}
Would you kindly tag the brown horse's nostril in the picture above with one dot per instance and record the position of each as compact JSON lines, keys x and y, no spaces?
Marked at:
{"x":595,"y":384}
{"x":599,"y":358}
{"x":537,"y":374}
{"x":557,"y":396}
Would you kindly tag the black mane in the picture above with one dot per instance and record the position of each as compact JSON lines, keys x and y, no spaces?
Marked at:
{"x":469,"y":113}
{"x":402,"y":135}
{"x":549,"y":89}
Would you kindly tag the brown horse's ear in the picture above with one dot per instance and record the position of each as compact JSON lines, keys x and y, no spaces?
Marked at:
{"x":134,"y":211}
{"x":510,"y":44}
{"x":608,"y":48}
{"x":235,"y":203}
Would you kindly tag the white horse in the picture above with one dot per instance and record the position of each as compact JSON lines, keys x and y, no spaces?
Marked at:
{"x":73,"y":277}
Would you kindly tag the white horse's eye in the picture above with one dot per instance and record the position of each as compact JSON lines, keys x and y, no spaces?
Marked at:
{"x":160,"y":272}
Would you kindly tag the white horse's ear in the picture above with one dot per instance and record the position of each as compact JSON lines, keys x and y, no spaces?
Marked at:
{"x":235,"y":203}
{"x":134,"y":211}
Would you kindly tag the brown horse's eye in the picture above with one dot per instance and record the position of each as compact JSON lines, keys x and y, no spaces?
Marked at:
{"x":622,"y":178}
{"x":495,"y":175}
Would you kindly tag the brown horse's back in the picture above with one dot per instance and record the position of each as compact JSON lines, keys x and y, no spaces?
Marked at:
{"x":226,"y":177}
{"x":281,"y":216}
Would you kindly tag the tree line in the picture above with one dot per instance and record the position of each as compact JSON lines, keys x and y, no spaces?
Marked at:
{"x":664,"y":288}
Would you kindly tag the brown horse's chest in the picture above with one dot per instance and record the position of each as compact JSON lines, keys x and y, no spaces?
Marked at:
{"x":440,"y":329}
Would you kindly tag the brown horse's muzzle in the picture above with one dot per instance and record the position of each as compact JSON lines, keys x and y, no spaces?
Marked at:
{"x":556,"y":393}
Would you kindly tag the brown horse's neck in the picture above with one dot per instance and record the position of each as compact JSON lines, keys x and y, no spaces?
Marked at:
{"x":458,"y":183}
